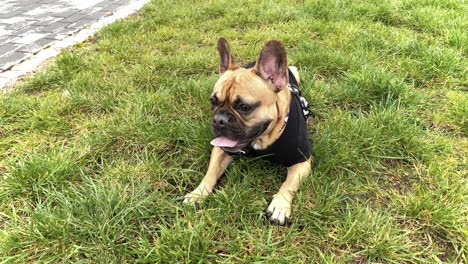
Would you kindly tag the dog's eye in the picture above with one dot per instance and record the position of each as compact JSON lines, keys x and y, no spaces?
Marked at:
{"x":245,"y":107}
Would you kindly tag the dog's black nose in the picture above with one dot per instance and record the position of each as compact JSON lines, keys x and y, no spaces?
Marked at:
{"x":220,"y":120}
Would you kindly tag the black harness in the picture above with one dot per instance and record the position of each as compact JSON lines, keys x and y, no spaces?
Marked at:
{"x":294,"y":145}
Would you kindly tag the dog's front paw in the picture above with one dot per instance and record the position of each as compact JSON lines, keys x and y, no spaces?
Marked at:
{"x":279,"y":210}
{"x":195,"y":197}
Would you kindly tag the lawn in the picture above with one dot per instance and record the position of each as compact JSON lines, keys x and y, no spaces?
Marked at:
{"x":98,"y":149}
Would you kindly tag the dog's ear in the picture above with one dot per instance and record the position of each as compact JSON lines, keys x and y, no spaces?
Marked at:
{"x":226,"y":60}
{"x":272,"y":65}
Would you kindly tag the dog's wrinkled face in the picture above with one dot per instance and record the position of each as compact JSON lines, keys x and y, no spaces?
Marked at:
{"x":244,"y":107}
{"x":244,"y":101}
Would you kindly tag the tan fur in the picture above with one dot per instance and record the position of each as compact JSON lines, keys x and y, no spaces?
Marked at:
{"x":219,"y":161}
{"x":274,"y":105}
{"x":280,"y":207}
{"x":245,"y":83}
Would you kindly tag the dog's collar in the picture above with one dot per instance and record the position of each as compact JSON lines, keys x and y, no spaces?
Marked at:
{"x":284,"y":123}
{"x":287,"y":115}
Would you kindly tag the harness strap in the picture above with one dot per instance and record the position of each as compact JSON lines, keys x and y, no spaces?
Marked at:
{"x":304,"y":104}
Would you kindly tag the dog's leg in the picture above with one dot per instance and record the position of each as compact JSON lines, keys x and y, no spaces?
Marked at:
{"x":279,"y":210}
{"x":219,"y":161}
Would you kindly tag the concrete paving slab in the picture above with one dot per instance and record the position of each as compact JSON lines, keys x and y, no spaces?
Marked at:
{"x":11,"y":59}
{"x":34,"y":30}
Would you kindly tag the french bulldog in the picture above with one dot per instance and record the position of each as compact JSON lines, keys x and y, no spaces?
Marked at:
{"x":258,"y":110}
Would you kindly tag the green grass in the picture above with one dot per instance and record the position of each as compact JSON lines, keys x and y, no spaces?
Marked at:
{"x":98,"y":150}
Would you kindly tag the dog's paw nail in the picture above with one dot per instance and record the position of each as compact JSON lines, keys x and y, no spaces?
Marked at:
{"x":276,"y":221}
{"x":279,"y":211}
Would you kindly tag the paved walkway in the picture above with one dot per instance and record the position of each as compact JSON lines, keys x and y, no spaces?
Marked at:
{"x":30,"y":27}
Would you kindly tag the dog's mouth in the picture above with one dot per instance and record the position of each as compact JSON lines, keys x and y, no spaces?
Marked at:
{"x":234,"y":145}
{"x":229,"y":144}
{"x":224,"y":142}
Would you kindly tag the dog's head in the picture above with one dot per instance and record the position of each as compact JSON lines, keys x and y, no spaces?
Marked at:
{"x":246,"y":102}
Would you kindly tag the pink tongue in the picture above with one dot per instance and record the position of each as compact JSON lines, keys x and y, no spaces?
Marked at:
{"x":223,"y":142}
